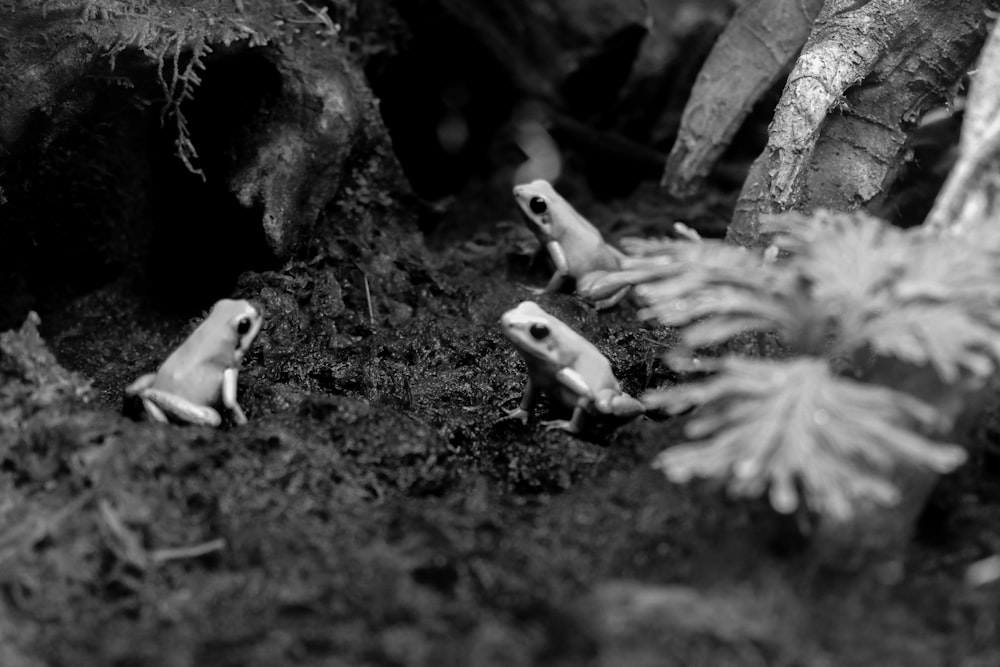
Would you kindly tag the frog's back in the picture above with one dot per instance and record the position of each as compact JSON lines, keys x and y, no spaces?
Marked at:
{"x":596,"y":369}
{"x":190,"y":375}
{"x":586,"y":250}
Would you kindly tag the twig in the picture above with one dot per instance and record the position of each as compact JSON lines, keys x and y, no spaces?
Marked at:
{"x":322,"y":17}
{"x":194,"y":551}
{"x":368,"y":296}
{"x":125,"y":542}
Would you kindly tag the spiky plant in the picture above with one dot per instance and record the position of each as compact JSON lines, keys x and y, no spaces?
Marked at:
{"x":870,"y":316}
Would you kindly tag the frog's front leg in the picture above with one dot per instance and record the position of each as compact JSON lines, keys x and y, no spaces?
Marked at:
{"x":555,"y":251}
{"x":528,"y":400}
{"x":161,"y":404}
{"x":229,"y":377}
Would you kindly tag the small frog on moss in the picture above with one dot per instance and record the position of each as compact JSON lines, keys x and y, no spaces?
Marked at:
{"x":567,"y":368}
{"x":202,"y":372}
{"x":575,"y":246}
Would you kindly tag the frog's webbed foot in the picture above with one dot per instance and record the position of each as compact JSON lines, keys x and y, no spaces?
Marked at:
{"x":528,"y":399}
{"x":534,"y":291}
{"x":162,"y":405}
{"x":519,"y":414}
{"x":574,"y":425}
{"x":239,"y":417}
{"x":562,"y":424}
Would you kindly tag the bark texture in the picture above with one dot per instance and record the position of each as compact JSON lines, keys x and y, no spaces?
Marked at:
{"x":971,"y":195}
{"x":865,"y":77}
{"x":764,"y":37}
{"x":300,"y":148}
{"x":285,"y":149}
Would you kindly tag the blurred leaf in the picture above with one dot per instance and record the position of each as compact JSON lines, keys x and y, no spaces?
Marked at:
{"x":801,"y":434}
{"x":715,"y":289}
{"x":846,"y":257}
{"x":926,"y":300}
{"x":943,"y":335}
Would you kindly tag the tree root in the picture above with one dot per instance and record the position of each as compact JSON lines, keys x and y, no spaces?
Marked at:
{"x":970,"y":195}
{"x":879,"y":65}
{"x":764,"y":36}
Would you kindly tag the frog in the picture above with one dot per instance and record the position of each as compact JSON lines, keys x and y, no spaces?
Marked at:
{"x":202,"y":372}
{"x":567,"y":368}
{"x":645,"y":260}
{"x":574,"y":245}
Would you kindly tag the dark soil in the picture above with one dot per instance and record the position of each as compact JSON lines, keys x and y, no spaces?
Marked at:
{"x":375,"y":510}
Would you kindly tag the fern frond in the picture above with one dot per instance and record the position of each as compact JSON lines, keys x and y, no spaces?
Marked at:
{"x":687,"y":300}
{"x":719,"y":288}
{"x":798,"y":432}
{"x":636,"y":246}
{"x":944,"y":336}
{"x":924,"y":300}
{"x":959,"y":269}
{"x":848,"y":258}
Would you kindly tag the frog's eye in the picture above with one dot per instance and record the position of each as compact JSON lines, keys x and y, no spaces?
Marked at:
{"x":243,"y":326}
{"x":539,"y":331}
{"x":538,"y":205}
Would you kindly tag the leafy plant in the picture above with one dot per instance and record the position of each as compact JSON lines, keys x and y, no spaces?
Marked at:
{"x":795,"y":428}
{"x":885,"y":332}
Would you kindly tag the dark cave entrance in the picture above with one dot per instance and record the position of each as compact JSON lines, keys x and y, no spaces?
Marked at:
{"x":101,"y":196}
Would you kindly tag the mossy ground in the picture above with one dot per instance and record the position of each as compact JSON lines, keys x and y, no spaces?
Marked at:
{"x":375,"y":511}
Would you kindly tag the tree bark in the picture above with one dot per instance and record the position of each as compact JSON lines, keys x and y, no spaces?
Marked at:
{"x":971,"y":195}
{"x":763,"y":36}
{"x":279,"y":130}
{"x":865,"y":77}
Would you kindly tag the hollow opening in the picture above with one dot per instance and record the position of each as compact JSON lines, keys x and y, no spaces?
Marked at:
{"x":202,"y":237}
{"x":100,"y":196}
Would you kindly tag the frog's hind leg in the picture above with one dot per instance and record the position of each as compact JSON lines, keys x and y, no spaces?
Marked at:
{"x":574,"y":425}
{"x":604,"y":304}
{"x":154,"y":412}
{"x":161,"y":405}
{"x":619,"y":405}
